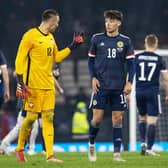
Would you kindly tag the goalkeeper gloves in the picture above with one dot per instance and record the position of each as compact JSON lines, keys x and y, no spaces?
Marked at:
{"x":21,"y":90}
{"x":77,"y":40}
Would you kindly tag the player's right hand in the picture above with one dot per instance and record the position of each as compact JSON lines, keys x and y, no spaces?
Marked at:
{"x":95,"y":85}
{"x":22,"y":91}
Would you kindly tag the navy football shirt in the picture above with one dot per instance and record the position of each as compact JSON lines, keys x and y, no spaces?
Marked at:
{"x":148,"y":68}
{"x":111,"y":54}
{"x":2,"y":63}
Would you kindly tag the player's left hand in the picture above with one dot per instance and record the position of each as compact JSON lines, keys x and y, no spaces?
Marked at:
{"x":78,"y":39}
{"x":127,"y":88}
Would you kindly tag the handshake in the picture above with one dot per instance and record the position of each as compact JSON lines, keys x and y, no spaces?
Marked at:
{"x":78,"y":39}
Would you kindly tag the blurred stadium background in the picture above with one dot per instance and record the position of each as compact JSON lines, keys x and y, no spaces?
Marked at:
{"x":140,"y":18}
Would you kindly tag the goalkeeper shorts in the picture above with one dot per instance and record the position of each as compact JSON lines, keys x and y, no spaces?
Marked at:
{"x":40,"y":100}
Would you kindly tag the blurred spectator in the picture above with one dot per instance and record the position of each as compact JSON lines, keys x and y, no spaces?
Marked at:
{"x":80,"y":125}
{"x":4,"y":80}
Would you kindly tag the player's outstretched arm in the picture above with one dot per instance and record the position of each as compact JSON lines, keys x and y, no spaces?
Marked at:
{"x":62,"y":54}
{"x":78,"y":39}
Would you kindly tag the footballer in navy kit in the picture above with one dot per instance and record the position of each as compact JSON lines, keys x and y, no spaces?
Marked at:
{"x":108,"y":54}
{"x":149,"y":66}
{"x":4,"y":80}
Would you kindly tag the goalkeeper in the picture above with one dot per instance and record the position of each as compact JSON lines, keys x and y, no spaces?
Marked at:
{"x":35,"y":83}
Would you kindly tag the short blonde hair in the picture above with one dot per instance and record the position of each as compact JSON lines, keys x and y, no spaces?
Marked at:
{"x":151,"y":40}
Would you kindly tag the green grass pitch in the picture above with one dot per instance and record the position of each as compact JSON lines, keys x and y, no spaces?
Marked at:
{"x":80,"y":160}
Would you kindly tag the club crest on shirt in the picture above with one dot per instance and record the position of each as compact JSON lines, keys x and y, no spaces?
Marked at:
{"x":120,"y":44}
{"x":94,"y":102}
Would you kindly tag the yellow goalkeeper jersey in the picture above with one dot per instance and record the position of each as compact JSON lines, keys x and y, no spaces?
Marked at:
{"x":36,"y":53}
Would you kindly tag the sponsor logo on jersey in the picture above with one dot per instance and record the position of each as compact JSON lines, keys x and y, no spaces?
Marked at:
{"x":102,"y":44}
{"x":119,"y":49}
{"x":31,"y":105}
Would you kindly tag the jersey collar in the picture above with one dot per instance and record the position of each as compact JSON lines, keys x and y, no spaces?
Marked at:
{"x":44,"y":34}
{"x":110,"y":36}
